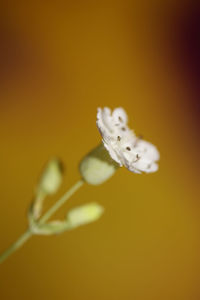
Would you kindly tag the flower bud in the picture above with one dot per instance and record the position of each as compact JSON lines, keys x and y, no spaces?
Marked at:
{"x":51,"y":177}
{"x":84,"y":214}
{"x":50,"y":228}
{"x":97,"y":166}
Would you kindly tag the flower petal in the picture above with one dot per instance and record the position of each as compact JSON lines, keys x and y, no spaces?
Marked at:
{"x":123,"y":146}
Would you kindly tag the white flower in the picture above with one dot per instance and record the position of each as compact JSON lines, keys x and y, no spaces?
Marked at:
{"x":123,"y":145}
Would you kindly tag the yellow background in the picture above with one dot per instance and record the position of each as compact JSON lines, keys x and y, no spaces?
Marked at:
{"x":60,"y":60}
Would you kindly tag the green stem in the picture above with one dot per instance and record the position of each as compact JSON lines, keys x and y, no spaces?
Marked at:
{"x":61,"y":201}
{"x":16,"y":245}
{"x":26,"y":235}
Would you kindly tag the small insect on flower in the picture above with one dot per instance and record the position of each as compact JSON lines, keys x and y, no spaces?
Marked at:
{"x":123,"y":145}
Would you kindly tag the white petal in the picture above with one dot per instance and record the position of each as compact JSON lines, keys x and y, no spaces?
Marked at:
{"x":123,"y":146}
{"x":119,"y":115}
{"x":112,"y":153}
{"x":153,"y":168}
{"x":148,"y":149}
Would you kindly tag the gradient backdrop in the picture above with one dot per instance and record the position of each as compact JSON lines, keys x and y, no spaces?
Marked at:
{"x":59,"y":61}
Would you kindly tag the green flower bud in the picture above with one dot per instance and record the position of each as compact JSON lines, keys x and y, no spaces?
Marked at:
{"x":49,"y":182}
{"x":97,"y":166}
{"x":51,"y":177}
{"x":84,"y":214}
{"x":54,"y":227}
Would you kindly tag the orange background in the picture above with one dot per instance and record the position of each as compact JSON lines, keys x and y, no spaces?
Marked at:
{"x":60,"y":60}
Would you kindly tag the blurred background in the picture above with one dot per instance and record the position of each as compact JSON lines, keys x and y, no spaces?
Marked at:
{"x":59,"y":61}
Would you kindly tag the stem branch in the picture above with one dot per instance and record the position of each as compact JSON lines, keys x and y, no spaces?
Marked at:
{"x":61,"y":201}
{"x":27,"y":234}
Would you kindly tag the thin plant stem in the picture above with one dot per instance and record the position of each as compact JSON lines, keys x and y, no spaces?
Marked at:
{"x":27,"y":234}
{"x":61,"y":201}
{"x":16,"y":245}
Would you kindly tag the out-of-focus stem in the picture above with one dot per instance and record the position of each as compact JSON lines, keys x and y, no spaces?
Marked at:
{"x":27,"y":234}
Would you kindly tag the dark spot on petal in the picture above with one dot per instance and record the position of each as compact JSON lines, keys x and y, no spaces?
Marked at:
{"x":120,"y":119}
{"x":123,"y":128}
{"x":119,"y":138}
{"x":137,"y":158}
{"x":128,"y":148}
